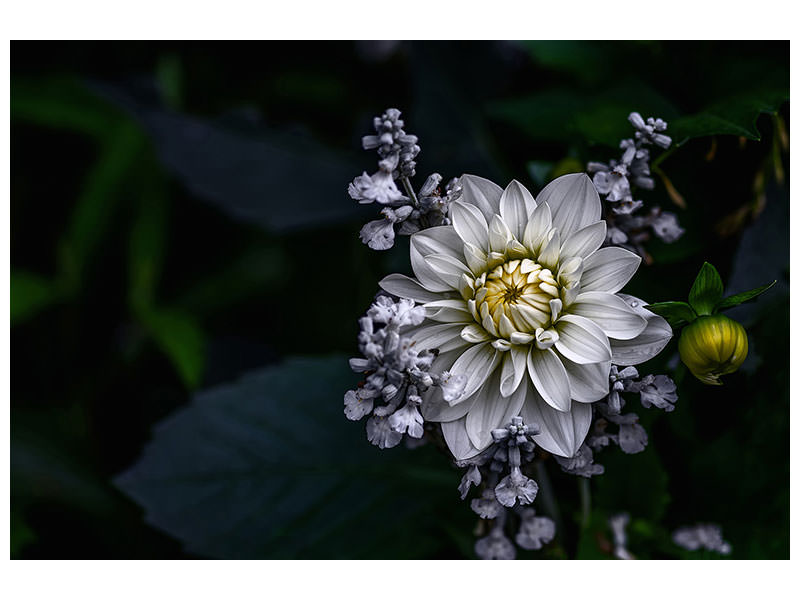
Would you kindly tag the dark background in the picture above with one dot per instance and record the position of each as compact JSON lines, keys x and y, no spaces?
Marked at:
{"x":179,"y":217}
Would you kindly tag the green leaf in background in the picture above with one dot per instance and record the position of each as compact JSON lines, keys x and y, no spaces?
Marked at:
{"x":63,"y":103}
{"x":180,"y":337}
{"x":738,"y":299}
{"x":583,"y":60}
{"x":633,"y":483}
{"x":706,"y":290}
{"x":30,"y":293}
{"x":269,"y":467}
{"x":147,"y":240}
{"x":21,"y":535}
{"x":96,"y":203}
{"x":734,"y":116}
{"x":567,"y":114}
{"x":676,"y":313}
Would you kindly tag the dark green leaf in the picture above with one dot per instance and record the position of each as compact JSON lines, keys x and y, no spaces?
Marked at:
{"x":30,"y":293}
{"x":252,"y":173}
{"x":269,"y":467}
{"x":676,"y":313}
{"x":563,"y":115}
{"x":97,"y":201}
{"x":180,"y":338}
{"x":734,"y":116}
{"x":737,"y":299}
{"x":706,"y":290}
{"x":63,"y":103}
{"x":147,"y":241}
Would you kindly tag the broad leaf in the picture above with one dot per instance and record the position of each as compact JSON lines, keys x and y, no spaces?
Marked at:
{"x":706,"y":290}
{"x":734,"y":116}
{"x":269,"y":467}
{"x":276,"y":180}
{"x":738,"y":299}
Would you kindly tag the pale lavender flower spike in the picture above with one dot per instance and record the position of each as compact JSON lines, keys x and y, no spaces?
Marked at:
{"x":617,"y":180}
{"x":702,"y":536}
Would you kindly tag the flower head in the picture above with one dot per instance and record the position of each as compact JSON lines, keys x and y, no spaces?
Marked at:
{"x":521,"y":300}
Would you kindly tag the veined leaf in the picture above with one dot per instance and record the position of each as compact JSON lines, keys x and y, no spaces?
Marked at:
{"x":706,"y":290}
{"x":269,"y":467}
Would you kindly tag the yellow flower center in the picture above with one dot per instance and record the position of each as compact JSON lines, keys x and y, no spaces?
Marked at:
{"x":520,"y":291}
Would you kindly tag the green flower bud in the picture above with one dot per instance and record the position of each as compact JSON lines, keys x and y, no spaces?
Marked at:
{"x":711,"y":346}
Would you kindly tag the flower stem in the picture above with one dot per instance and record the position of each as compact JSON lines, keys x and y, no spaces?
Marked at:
{"x":547,"y":495}
{"x":586,"y":501}
{"x":410,"y":191}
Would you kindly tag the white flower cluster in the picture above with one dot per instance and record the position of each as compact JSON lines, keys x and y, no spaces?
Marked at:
{"x":397,"y":373}
{"x":654,"y":390}
{"x":702,"y":536}
{"x":616,"y":180}
{"x":402,"y":214}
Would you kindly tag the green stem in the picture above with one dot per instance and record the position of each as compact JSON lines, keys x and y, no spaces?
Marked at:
{"x":547,"y":495}
{"x":662,"y":157}
{"x":410,"y":190}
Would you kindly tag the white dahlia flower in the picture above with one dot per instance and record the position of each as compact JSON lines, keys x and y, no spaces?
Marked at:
{"x":520,"y":298}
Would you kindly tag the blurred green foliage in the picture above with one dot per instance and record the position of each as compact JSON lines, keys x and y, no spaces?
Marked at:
{"x":179,"y":217}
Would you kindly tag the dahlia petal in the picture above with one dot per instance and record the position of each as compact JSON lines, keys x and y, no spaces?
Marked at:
{"x":407,"y":287}
{"x":562,"y":433}
{"x":573,"y":202}
{"x":439,"y":240}
{"x":513,"y":370}
{"x":491,"y":411}
{"x":589,"y":382}
{"x":644,"y":346}
{"x":448,"y":311}
{"x":539,"y":224}
{"x":611,"y":313}
{"x":515,"y":205}
{"x":447,"y":268}
{"x":476,"y":258}
{"x":425,"y":273}
{"x":584,"y":241}
{"x":475,"y":334}
{"x":437,"y":410}
{"x":581,"y":340}
{"x":608,"y":270}
{"x":499,"y":234}
{"x":482,"y":193}
{"x":549,"y":377}
{"x":445,"y":337}
{"x":477,"y":363}
{"x":470,"y":224}
{"x":548,"y":257}
{"x":455,"y":435}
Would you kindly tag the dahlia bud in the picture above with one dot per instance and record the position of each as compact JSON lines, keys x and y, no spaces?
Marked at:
{"x":712,"y":346}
